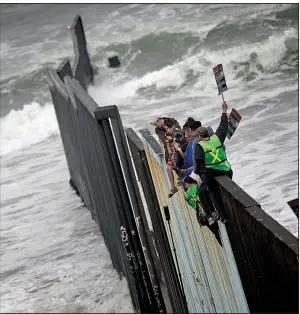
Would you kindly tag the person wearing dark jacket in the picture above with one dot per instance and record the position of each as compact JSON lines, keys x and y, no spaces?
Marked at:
{"x":211,"y":159}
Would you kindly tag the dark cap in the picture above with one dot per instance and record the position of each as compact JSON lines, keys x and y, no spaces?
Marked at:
{"x":195,"y":125}
{"x":202,"y":131}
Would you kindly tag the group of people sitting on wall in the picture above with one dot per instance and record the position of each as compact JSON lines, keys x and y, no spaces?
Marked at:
{"x":197,"y":155}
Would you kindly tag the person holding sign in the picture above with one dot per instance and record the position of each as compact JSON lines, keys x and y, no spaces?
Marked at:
{"x":211,"y":159}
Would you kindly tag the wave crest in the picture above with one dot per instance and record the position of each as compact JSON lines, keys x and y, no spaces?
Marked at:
{"x":30,"y":125}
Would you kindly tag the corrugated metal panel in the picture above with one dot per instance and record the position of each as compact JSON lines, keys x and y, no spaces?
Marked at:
{"x":209,"y":274}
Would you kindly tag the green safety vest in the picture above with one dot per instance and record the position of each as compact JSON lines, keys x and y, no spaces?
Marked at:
{"x":215,"y":156}
{"x":191,"y":196}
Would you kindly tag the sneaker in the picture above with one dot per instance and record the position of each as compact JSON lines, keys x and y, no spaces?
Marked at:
{"x":172,"y":191}
{"x":210,"y":221}
{"x":223,"y":220}
{"x":215,"y":215}
{"x":179,"y":183}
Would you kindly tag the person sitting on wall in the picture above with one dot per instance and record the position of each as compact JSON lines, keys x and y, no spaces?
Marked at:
{"x":211,"y":159}
{"x":175,"y":154}
{"x":189,"y":128}
{"x":159,"y":123}
{"x":160,"y":131}
{"x":197,"y":197}
{"x":188,"y":164}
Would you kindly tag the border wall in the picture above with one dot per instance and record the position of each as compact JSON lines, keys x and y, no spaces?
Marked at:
{"x":171,"y":263}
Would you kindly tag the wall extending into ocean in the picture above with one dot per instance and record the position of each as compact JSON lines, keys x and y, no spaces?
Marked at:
{"x":171,"y":263}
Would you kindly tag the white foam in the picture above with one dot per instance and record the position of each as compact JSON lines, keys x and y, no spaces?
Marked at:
{"x":77,"y":288}
{"x":57,"y":257}
{"x":110,"y":94}
{"x":5,"y":48}
{"x":270,"y":53}
{"x":22,"y":128}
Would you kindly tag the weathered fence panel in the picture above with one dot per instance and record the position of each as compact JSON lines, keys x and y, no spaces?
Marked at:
{"x":209,"y":274}
{"x":174,"y":291}
{"x":95,"y":151}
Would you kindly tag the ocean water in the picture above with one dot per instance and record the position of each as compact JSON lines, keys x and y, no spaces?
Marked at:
{"x":53,"y":258}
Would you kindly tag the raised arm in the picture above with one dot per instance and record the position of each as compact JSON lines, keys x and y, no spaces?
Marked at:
{"x":223,"y":127}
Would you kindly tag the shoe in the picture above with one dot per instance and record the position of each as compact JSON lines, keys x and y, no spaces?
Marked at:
{"x":215,"y":215}
{"x":210,"y":221}
{"x":172,"y":191}
{"x":179,"y":183}
{"x":223,"y":220}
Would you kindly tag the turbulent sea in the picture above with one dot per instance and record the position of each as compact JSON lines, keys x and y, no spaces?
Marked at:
{"x":53,"y":257}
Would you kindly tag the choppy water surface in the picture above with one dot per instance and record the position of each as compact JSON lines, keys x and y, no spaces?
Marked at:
{"x":53,"y":257}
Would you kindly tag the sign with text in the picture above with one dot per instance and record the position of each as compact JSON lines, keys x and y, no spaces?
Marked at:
{"x":220,"y":78}
{"x":233,"y":122}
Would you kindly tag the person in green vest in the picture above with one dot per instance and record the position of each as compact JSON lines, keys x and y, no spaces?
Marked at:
{"x":211,"y":159}
{"x":197,"y":197}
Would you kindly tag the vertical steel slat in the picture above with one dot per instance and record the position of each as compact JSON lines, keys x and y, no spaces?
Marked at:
{"x":209,"y":273}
